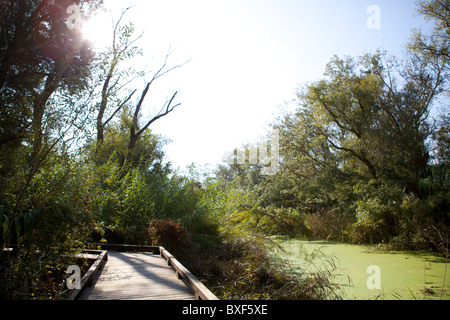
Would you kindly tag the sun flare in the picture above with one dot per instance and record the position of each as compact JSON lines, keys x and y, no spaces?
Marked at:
{"x":98,"y":30}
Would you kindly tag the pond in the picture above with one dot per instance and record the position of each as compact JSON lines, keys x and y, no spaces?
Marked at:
{"x":364,"y":273}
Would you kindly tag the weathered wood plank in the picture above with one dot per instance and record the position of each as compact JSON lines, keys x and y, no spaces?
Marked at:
{"x":137,"y":276}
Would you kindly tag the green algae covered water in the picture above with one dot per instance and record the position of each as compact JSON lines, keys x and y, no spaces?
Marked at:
{"x":363,"y":273}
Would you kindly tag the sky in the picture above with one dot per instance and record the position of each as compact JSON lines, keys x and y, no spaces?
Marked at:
{"x":245,"y":60}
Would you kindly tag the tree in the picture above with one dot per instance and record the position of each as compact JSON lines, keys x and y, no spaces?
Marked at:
{"x":435,"y":45}
{"x":44,"y":70}
{"x":366,"y":114}
{"x":114,"y":80}
{"x":346,"y":106}
{"x":431,"y":52}
{"x":147,"y":153}
{"x":442,"y":137}
{"x":357,"y":159}
{"x":40,"y":56}
{"x":135,"y":130}
{"x":122,"y":48}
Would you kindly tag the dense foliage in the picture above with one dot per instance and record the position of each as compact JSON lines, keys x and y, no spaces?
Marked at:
{"x":361,"y":160}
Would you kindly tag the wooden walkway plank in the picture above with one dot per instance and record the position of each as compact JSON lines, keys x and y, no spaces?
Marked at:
{"x":137,"y":276}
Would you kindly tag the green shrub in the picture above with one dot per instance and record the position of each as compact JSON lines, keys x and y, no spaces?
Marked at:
{"x":45,"y":240}
{"x":429,"y":225}
{"x":282,"y":221}
{"x":377,"y":211}
{"x":329,"y":225}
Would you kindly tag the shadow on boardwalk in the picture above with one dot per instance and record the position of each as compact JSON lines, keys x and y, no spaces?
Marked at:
{"x":137,"y":276}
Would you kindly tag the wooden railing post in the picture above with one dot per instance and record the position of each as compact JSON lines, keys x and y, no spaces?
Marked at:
{"x":201,"y":291}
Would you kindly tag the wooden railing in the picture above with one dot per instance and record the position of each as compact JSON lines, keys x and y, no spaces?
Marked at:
{"x":128,"y":247}
{"x":200,"y":290}
{"x":101,"y":256}
{"x":88,"y":277}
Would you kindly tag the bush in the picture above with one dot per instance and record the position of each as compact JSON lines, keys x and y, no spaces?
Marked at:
{"x":378,"y":211}
{"x":282,"y":221}
{"x":171,"y":235}
{"x":427,"y":227}
{"x":44,"y":241}
{"x":329,"y":225}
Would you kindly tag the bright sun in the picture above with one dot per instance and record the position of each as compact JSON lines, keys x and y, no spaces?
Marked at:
{"x":98,"y":30}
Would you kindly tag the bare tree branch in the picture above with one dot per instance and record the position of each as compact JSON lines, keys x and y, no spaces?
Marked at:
{"x":160,"y":115}
{"x":118,"y":51}
{"x":118,"y":109}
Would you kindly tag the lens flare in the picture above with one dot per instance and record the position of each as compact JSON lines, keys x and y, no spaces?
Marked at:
{"x":98,"y":30}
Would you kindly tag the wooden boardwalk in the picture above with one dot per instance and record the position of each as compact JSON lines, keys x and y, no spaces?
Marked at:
{"x":137,"y":276}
